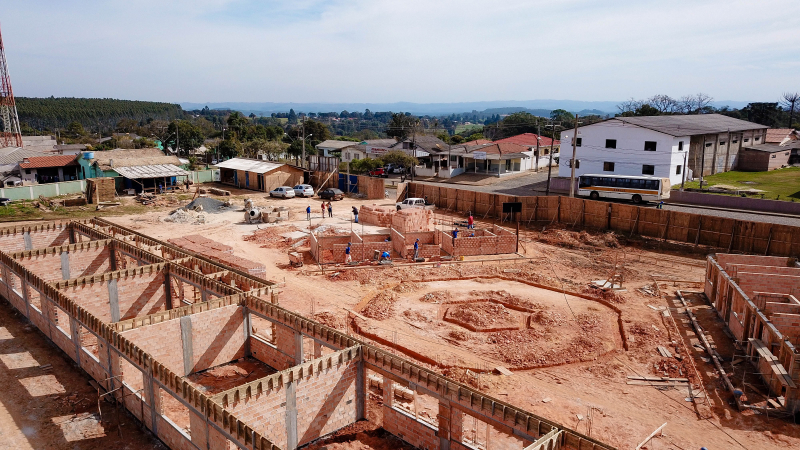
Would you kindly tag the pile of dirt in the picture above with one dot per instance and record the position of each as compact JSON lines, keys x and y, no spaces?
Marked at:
{"x":608,"y":295}
{"x":460,"y":375}
{"x":643,"y":333}
{"x":209,"y":205}
{"x":482,"y":314}
{"x":328,"y":230}
{"x":672,"y":368}
{"x":506,"y":297}
{"x":458,"y":335}
{"x":186,"y":217}
{"x":531,"y":348}
{"x":365,"y":276}
{"x":579,"y":239}
{"x":330,"y":320}
{"x":548,"y":318}
{"x":271,"y":237}
{"x":381,"y":307}
{"x":588,"y":321}
{"x":407,"y":286}
{"x":436,"y":297}
{"x":415,"y":316}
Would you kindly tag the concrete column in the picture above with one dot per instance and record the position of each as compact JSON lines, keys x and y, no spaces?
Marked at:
{"x":168,"y":290}
{"x":444,"y":424}
{"x":186,"y":338}
{"x":298,"y":348}
{"x":28,"y":242}
{"x":291,"y":416}
{"x":25,"y":296}
{"x":388,"y":397}
{"x":113,"y":300}
{"x":247,"y":329}
{"x":75,"y":329}
{"x":361,"y":391}
{"x":317,"y":349}
{"x":153,"y":395}
{"x":65,"y":274}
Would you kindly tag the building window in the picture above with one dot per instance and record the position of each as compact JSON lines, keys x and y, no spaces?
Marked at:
{"x":608,"y":166}
{"x":735,"y":141}
{"x":611,"y":143}
{"x":577,"y":163}
{"x":758,"y":138}
{"x":648,"y":169}
{"x":774,"y":156}
{"x":28,"y":171}
{"x":721,"y":142}
{"x":747,"y":139}
{"x":708,"y":144}
{"x":680,"y":146}
{"x":650,"y":146}
{"x":578,"y":142}
{"x":678,"y":169}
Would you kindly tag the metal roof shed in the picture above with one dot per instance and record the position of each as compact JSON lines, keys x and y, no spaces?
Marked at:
{"x":153,"y":171}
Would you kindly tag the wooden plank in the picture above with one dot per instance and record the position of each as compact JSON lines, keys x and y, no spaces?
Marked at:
{"x":664,"y":352}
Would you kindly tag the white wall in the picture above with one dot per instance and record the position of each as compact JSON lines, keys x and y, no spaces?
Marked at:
{"x":629,"y":156}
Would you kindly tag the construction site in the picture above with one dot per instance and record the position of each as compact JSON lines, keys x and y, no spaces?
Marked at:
{"x":565,"y":324}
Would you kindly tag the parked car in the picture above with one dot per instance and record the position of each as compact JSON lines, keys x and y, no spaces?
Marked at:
{"x":283,"y":192}
{"x":304,"y":190}
{"x":398,"y":169}
{"x":414,"y":203}
{"x":331,"y":194}
{"x":4,"y":201}
{"x":379,"y":172}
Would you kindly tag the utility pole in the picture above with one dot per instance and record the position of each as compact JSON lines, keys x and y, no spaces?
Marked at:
{"x":538,"y":138}
{"x":550,"y":164}
{"x":177,"y":139}
{"x":573,"y":160}
{"x":683,"y":178}
{"x":702,"y":161}
{"x":303,"y":161}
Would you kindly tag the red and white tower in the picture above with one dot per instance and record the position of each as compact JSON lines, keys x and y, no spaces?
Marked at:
{"x":10,"y":135}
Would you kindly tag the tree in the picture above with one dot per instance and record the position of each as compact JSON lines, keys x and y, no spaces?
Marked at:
{"x":560,"y":115}
{"x":237,"y":123}
{"x":230,"y":147}
{"x":789,"y":101}
{"x":75,"y":129}
{"x":399,"y":158}
{"x":182,"y":136}
{"x":256,"y":147}
{"x":475,"y":137}
{"x":762,"y":113}
{"x":456,"y":139}
{"x":401,"y":126}
{"x":292,"y":117}
{"x":444,"y":137}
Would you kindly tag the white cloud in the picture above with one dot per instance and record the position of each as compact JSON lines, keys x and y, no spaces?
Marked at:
{"x":382,"y":51}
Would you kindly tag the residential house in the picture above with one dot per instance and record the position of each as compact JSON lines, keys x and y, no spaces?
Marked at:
{"x":371,"y":148}
{"x":497,"y":158}
{"x":69,"y":149}
{"x":49,"y":169}
{"x":477,"y":142}
{"x":258,"y":175}
{"x":138,"y":169}
{"x":764,"y":157}
{"x":39,"y":143}
{"x":661,"y":146}
{"x":432,"y":153}
{"x":10,"y":157}
{"x":331,"y":147}
{"x":538,"y":146}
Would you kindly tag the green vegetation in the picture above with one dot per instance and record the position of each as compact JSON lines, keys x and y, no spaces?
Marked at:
{"x":92,"y":113}
{"x":781,"y":184}
{"x":466,"y":130}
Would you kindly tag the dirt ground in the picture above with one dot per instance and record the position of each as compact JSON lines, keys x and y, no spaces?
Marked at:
{"x":46,"y":401}
{"x":588,"y":393}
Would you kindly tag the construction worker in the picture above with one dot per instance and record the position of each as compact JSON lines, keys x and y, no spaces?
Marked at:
{"x":455,"y":235}
{"x":386,"y":256}
{"x":416,"y":249}
{"x":355,"y":214}
{"x":322,"y":205}
{"x":347,"y":258}
{"x":308,"y":213}
{"x":470,"y":221}
{"x":330,"y":210}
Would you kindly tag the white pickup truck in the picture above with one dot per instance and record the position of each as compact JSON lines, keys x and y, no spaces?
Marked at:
{"x":414,"y":203}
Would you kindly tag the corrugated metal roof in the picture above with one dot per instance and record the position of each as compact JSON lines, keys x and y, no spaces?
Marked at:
{"x":686,"y":125}
{"x":151,"y":171}
{"x":13,"y":155}
{"x":330,"y":143}
{"x":249,"y":165}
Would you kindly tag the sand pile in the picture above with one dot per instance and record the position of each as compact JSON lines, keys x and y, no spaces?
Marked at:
{"x":208,"y":204}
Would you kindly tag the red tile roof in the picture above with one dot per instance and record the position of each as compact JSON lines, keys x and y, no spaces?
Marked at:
{"x":776,"y":135}
{"x":477,"y":142}
{"x":40,"y":162}
{"x":528,"y":139}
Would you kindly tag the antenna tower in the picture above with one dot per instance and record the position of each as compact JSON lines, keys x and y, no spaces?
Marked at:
{"x":10,"y":135}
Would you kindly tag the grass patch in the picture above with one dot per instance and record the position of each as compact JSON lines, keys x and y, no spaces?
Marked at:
{"x":470,"y":129}
{"x":781,"y":184}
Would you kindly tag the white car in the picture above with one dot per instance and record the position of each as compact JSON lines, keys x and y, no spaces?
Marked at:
{"x":304,"y":190}
{"x":414,"y":203}
{"x":283,"y":192}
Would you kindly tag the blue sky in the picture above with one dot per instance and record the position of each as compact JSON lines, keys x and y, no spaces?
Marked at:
{"x":409,"y":50}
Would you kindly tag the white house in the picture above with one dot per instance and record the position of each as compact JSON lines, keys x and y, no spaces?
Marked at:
{"x":325,"y":148}
{"x":662,"y":146}
{"x":372,"y":148}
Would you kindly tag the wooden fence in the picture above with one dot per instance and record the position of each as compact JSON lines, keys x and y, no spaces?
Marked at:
{"x":729,"y":235}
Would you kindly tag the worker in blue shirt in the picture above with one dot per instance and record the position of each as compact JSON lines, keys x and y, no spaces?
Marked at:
{"x":385,"y":256}
{"x":416,"y":249}
{"x":347,"y":257}
{"x":308,"y":212}
{"x":455,"y":233}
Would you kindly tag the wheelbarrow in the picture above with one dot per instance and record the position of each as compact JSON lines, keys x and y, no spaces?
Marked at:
{"x":295,"y":259}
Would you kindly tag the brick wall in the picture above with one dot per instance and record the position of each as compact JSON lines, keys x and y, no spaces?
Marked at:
{"x":15,"y":242}
{"x":409,"y":429}
{"x":376,"y":215}
{"x":773,"y":283}
{"x":138,"y":295}
{"x":727,"y":258}
{"x":82,"y":262}
{"x":413,"y":219}
{"x":163,"y":341}
{"x":217,"y":337}
{"x":270,"y":355}
{"x":326,"y":401}
{"x":733,"y":269}
{"x":265,"y":413}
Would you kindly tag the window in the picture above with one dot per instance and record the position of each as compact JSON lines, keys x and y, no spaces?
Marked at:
{"x":708,"y":144}
{"x":648,"y":169}
{"x":611,"y":143}
{"x":774,"y":156}
{"x":577,"y":163}
{"x":747,"y":139}
{"x":680,"y":146}
{"x":608,"y":166}
{"x":734,"y":141}
{"x":578,"y":142}
{"x":28,"y":171}
{"x":678,"y":169}
{"x":758,"y":138}
{"x":721,"y":142}
{"x":650,"y":146}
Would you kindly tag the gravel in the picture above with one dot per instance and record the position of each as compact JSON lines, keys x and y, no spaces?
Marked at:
{"x":210,"y":205}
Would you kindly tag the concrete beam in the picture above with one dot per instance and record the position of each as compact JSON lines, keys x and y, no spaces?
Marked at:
{"x":113,"y":300}
{"x":186,"y":338}
{"x":26,"y":236}
{"x":298,"y":348}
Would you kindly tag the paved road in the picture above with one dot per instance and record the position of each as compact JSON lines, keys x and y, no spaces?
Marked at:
{"x":535,"y":184}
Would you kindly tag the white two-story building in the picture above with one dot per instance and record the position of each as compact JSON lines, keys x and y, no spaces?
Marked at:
{"x":661,"y":146}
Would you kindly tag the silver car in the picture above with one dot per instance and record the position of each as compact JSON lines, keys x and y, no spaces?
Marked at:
{"x":304,"y":190}
{"x":283,"y":192}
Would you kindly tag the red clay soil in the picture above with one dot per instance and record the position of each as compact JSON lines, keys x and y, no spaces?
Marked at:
{"x":436,"y":297}
{"x":271,"y":237}
{"x":507,"y":298}
{"x":381,"y":307}
{"x":482,"y":315}
{"x":227,"y":376}
{"x":330,"y":320}
{"x":532,"y":348}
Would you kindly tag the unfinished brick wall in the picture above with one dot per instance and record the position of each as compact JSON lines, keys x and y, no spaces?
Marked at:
{"x":163,"y":341}
{"x":413,"y":219}
{"x":772,"y":283}
{"x":727,"y":258}
{"x":82,"y":262}
{"x":138,"y":295}
{"x":376,"y":215}
{"x":43,"y":238}
{"x":325,"y":248}
{"x":734,"y":269}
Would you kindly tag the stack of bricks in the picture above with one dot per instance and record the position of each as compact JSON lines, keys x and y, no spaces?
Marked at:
{"x":220,"y":252}
{"x":376,"y":215}
{"x":101,"y":190}
{"x":412,"y":220}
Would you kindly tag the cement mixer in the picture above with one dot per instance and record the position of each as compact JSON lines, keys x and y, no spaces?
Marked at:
{"x":252,"y":215}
